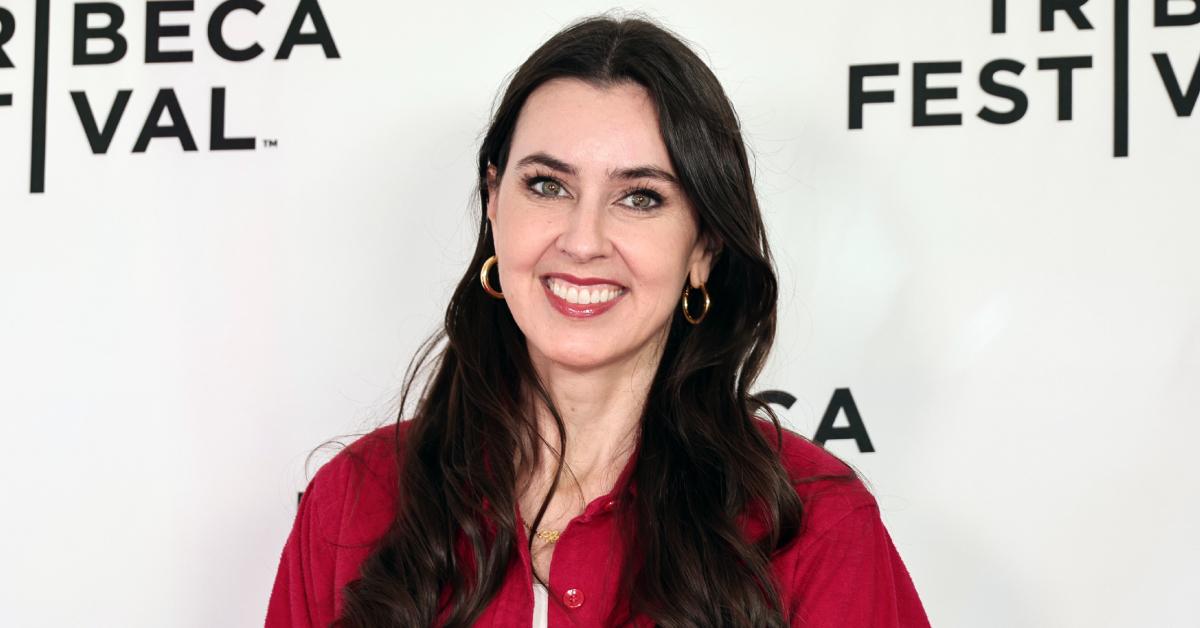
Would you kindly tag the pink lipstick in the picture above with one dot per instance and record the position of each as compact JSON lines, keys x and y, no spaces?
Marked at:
{"x":578,"y":298}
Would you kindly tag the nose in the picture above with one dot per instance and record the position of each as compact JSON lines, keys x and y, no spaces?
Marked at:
{"x":584,"y":236}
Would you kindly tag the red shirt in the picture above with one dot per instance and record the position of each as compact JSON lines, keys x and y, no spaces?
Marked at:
{"x":842,"y":571}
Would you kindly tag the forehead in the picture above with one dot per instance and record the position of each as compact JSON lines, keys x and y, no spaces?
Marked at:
{"x":592,"y":128}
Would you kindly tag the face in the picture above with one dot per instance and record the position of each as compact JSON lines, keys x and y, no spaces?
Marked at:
{"x":594,"y":238}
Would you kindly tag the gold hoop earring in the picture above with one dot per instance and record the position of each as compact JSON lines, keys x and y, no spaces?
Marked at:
{"x":483,"y":278}
{"x":707,"y":302}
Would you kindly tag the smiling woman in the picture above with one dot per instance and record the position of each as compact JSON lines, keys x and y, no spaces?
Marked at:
{"x":587,"y":451}
{"x":593,"y":234}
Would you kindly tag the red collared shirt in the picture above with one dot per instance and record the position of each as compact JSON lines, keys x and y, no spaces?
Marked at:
{"x":842,"y":571}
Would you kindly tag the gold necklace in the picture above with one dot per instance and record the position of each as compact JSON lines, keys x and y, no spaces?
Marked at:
{"x":549,"y":536}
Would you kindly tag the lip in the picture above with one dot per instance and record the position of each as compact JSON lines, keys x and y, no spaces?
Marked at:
{"x":577,"y":310}
{"x":582,"y":281}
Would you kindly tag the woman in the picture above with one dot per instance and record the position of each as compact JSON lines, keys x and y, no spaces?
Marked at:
{"x":587,"y":451}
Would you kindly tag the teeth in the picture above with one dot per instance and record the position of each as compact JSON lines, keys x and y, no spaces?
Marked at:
{"x":580,"y":295}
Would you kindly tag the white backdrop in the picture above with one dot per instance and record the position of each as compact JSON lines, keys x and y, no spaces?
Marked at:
{"x":1014,"y":309}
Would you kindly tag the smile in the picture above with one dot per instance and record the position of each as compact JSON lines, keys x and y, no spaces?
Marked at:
{"x":581,"y":300}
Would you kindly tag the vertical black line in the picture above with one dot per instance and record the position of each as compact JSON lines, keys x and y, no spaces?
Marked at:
{"x":1121,"y":79}
{"x":41,"y":50}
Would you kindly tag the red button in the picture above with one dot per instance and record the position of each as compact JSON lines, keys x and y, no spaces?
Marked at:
{"x":610,"y":504}
{"x":573,"y":598}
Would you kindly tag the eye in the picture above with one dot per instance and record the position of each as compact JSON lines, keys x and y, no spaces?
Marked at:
{"x":643,"y":199}
{"x":549,"y":186}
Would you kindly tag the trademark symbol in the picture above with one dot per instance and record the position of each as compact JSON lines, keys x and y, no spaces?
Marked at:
{"x":270,"y":143}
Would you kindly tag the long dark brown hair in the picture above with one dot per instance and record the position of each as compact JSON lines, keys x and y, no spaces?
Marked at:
{"x":701,"y":463}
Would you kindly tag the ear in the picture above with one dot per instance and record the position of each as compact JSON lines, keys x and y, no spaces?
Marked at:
{"x":704,"y":254}
{"x":493,"y":192}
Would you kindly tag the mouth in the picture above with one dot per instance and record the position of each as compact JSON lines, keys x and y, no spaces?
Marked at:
{"x":582,"y":298}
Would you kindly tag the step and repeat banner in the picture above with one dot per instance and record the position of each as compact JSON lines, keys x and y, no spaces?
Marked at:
{"x":225,"y":227}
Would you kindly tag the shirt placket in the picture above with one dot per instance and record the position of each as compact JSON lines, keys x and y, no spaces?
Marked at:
{"x":581,"y":568}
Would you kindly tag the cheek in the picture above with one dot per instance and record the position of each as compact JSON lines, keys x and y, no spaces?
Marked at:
{"x":522,"y":235}
{"x":658,"y":256}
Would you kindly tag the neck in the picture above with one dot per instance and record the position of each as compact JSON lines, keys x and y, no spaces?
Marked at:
{"x":601,"y":409}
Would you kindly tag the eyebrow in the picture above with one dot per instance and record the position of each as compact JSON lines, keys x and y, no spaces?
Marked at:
{"x":636,"y":172}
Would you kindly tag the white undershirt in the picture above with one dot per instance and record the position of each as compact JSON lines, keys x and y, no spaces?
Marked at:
{"x":540,"y":606}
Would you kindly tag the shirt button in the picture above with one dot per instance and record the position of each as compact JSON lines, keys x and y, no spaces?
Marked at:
{"x":610,"y":504}
{"x":573,"y":598}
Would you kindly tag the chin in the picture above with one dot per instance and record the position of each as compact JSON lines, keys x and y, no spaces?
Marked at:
{"x":578,"y":357}
{"x":579,"y":360}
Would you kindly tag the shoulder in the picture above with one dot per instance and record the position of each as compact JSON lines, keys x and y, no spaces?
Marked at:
{"x":842,"y":569}
{"x":345,"y":509}
{"x":829,"y":489}
{"x":370,"y":455}
{"x":353,"y":494}
{"x":374,"y":454}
